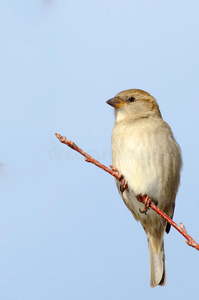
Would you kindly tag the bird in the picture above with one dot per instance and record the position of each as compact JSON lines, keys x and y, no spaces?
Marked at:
{"x":146,"y":153}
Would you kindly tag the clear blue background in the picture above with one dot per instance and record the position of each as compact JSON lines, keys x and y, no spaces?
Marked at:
{"x":64,"y":231}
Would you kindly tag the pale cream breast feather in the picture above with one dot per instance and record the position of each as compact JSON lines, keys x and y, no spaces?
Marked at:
{"x":145,"y":152}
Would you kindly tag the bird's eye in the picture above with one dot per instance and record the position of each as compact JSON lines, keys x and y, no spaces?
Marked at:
{"x":131,"y":99}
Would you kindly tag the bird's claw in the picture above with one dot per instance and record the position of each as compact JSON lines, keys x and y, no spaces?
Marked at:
{"x":124,"y":184}
{"x":146,"y":202}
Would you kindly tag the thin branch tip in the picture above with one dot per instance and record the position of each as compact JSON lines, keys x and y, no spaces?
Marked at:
{"x":58,"y":136}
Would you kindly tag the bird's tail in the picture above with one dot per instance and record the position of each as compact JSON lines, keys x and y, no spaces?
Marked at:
{"x":157,"y":262}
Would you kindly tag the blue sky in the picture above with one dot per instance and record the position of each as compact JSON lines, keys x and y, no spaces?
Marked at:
{"x":64,"y":230}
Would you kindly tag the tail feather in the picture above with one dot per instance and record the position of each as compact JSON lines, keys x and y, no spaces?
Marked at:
{"x":157,"y":263}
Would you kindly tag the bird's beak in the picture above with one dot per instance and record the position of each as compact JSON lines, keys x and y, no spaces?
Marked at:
{"x":116,"y":102}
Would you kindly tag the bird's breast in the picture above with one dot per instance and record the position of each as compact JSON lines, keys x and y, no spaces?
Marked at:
{"x":142,"y":154}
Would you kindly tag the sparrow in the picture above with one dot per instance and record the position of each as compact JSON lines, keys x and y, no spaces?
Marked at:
{"x":145,"y":152}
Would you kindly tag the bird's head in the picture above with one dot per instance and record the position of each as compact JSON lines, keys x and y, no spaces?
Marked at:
{"x":134,"y":104}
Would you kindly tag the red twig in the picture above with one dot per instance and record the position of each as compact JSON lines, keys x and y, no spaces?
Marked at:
{"x":90,"y":159}
{"x":144,"y":199}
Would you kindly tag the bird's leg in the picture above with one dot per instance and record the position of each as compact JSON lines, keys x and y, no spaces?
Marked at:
{"x":124,"y":184}
{"x":146,"y":202}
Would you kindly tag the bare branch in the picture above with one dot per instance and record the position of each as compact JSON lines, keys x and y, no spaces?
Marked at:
{"x":90,"y":159}
{"x":141,"y":198}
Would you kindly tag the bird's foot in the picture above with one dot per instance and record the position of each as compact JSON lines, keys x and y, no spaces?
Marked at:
{"x":124,"y":184}
{"x":147,"y":201}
